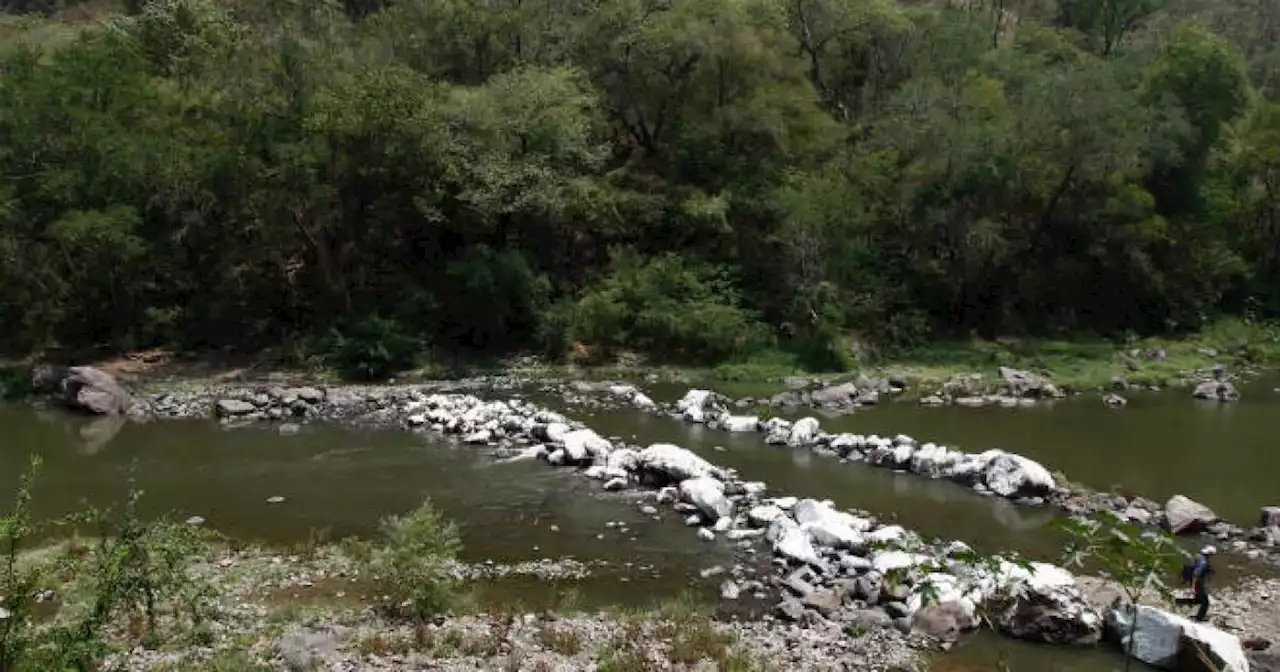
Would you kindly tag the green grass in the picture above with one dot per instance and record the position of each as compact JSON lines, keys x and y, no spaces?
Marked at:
{"x":1074,"y":363}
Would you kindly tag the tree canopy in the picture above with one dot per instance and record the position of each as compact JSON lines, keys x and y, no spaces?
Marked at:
{"x":691,"y":179}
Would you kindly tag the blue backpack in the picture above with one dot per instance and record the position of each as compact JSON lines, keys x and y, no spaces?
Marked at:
{"x":1189,"y":570}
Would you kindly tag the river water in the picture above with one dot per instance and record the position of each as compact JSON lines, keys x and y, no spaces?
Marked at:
{"x":338,"y":481}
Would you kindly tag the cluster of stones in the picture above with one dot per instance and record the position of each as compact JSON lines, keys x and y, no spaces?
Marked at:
{"x":994,"y":471}
{"x":831,"y":564}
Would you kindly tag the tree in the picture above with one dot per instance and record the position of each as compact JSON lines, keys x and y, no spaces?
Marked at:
{"x":1137,"y":559}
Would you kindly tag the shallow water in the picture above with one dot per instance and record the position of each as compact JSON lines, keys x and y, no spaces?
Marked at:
{"x":339,"y":481}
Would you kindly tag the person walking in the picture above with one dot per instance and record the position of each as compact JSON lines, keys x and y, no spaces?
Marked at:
{"x":1198,"y":572}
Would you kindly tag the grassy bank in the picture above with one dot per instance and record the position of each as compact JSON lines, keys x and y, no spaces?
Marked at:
{"x":1078,"y":364}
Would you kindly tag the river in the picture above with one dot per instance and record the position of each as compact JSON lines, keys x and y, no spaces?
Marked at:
{"x":339,"y":481}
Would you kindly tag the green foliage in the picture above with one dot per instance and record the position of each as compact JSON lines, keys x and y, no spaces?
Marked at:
{"x":372,"y":348}
{"x":665,"y":306}
{"x":413,"y":563}
{"x":687,"y":180}
{"x":136,"y":574}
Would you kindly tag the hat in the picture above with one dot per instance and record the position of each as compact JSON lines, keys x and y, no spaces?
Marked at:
{"x":1208,"y":550}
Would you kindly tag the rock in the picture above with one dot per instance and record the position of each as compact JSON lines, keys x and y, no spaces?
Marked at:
{"x":828,"y":527}
{"x":868,"y":587}
{"x":1171,"y":642}
{"x":1217,"y":390}
{"x":834,"y":395}
{"x":1010,"y":475}
{"x":583,"y":445}
{"x":642,"y":401}
{"x":228,"y":408}
{"x":870,"y":619}
{"x":790,"y":609}
{"x":82,"y":388}
{"x":823,"y":600}
{"x":791,"y":542}
{"x":675,"y":464}
{"x":764,"y":514}
{"x":945,"y":620}
{"x":700,"y":406}
{"x":1185,"y":516}
{"x":803,"y":432}
{"x":1045,"y":605}
{"x":1024,"y":383}
{"x":476,"y":438}
{"x":1113,"y":400}
{"x":614,"y":484}
{"x":740,"y":423}
{"x":706,"y":534}
{"x":1137,"y":515}
{"x":729,"y":590}
{"x":304,"y":649}
{"x":932,"y":400}
{"x":1270,"y":516}
{"x":888,"y":561}
{"x":707,"y":494}
{"x":275,"y":499}
{"x":310,"y":395}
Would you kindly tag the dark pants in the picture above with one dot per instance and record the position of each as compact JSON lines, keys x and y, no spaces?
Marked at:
{"x":1201,"y":597}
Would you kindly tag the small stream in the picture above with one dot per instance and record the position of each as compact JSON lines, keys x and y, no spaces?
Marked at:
{"x":339,"y":481}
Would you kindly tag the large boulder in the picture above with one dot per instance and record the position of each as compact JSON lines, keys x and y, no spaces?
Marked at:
{"x":700,"y":406}
{"x":1217,"y":390}
{"x":791,"y":542}
{"x":1172,"y":642}
{"x":82,"y":388}
{"x":707,"y":494}
{"x":1183,"y":515}
{"x":674,"y":464}
{"x":828,"y":527}
{"x":583,"y":445}
{"x":1010,"y":475}
{"x":803,"y":433}
{"x":1041,"y":603}
{"x":835,"y":395}
{"x":1024,"y":383}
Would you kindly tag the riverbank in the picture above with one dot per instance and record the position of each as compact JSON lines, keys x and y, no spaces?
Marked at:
{"x":321,"y":608}
{"x":1071,"y":365}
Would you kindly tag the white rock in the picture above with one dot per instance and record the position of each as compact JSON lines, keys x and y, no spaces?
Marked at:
{"x":615,"y":484}
{"x":641,"y":400}
{"x":624,"y":390}
{"x":1010,"y":475}
{"x":584,"y":444}
{"x":625,"y":459}
{"x":764,"y":514}
{"x":890,"y":534}
{"x":741,"y":423}
{"x":481,"y":436}
{"x":676,"y":463}
{"x":786,"y":503}
{"x":791,"y":542}
{"x":699,"y":406}
{"x":889,"y":561}
{"x":707,"y":494}
{"x":828,"y":527}
{"x":1160,"y":637}
{"x":803,"y":432}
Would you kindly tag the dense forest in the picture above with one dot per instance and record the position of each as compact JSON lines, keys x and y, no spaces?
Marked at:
{"x":689,"y":179}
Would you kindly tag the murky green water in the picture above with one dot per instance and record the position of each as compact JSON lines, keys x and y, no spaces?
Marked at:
{"x":343,"y":481}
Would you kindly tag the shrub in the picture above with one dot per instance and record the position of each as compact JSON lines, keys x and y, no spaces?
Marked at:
{"x":373,"y":347}
{"x":413,"y":564}
{"x":663,"y":306}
